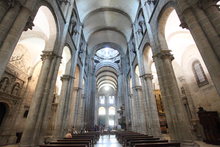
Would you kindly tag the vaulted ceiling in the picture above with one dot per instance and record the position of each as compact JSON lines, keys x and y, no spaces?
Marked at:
{"x":107,"y":21}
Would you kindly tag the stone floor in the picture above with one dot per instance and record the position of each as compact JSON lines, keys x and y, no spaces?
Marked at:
{"x":108,"y":141}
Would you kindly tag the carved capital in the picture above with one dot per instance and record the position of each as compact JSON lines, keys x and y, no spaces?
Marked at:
{"x":66,"y":77}
{"x":164,"y":54}
{"x":184,"y":25}
{"x":49,"y":55}
{"x":137,"y":88}
{"x":77,"y":88}
{"x":148,"y":76}
{"x":29,"y":24}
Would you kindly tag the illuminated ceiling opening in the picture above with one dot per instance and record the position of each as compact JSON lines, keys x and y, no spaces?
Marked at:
{"x":107,"y":53}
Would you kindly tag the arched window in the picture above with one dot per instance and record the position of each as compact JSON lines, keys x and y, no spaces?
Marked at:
{"x":111,"y":110}
{"x":102,"y":111}
{"x":102,"y":99}
{"x":199,"y":74}
{"x":111,"y":99}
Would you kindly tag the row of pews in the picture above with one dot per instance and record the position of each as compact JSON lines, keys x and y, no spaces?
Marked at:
{"x":78,"y":140}
{"x":133,"y":139}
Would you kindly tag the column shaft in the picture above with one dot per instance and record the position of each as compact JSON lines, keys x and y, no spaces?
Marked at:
{"x":61,"y":106}
{"x":179,"y":127}
{"x":154,"y":118}
{"x":30,"y":128}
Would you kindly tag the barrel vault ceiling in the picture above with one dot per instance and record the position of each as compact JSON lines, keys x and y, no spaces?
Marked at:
{"x":107,"y":21}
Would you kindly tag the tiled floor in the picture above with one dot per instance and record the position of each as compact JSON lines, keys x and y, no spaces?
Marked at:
{"x":108,"y":141}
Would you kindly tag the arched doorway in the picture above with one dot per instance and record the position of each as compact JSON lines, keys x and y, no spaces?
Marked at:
{"x":3,"y":111}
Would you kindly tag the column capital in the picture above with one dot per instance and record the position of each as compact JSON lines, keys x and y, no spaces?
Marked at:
{"x":184,"y":25}
{"x":164,"y":54}
{"x":67,"y":77}
{"x":49,"y":55}
{"x":77,"y":88}
{"x":147,"y":76}
{"x":137,"y":87}
{"x":29,"y":24}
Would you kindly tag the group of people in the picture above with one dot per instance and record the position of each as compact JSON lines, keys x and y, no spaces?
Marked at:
{"x":73,"y":131}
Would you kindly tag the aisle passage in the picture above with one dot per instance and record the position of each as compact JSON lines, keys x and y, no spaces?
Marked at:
{"x":108,"y":141}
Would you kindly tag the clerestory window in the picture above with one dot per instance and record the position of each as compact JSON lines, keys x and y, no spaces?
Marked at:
{"x":199,"y":74}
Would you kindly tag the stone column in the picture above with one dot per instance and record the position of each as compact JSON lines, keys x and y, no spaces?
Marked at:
{"x":77,"y":107}
{"x":71,"y":111}
{"x":37,"y":102}
{"x":11,"y":27}
{"x":205,"y":36}
{"x":179,"y":127}
{"x":61,"y":106}
{"x":46,"y":104}
{"x":119,"y":91}
{"x":154,"y":118}
{"x":140,"y":111}
{"x":212,"y":11}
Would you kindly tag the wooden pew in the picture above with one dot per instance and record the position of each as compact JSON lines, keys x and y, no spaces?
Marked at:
{"x":132,"y":139}
{"x":131,"y":143}
{"x":88,"y":143}
{"x":165,"y":144}
{"x":89,"y":137}
{"x":63,"y":145}
{"x":127,"y":140}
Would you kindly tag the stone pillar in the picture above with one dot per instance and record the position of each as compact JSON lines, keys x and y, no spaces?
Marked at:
{"x":71,"y":111}
{"x":132,"y":107}
{"x":11,"y":27}
{"x":47,"y":100}
{"x":154,"y":118}
{"x":212,"y":11}
{"x":179,"y":127}
{"x":77,"y":107}
{"x":205,"y":36}
{"x":61,"y":106}
{"x":140,"y":111}
{"x":35,"y":117}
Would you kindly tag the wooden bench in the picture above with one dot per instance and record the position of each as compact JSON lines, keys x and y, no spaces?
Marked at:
{"x":126,"y":141}
{"x":168,"y":144}
{"x":125,"y":138}
{"x":63,"y":145}
{"x":76,"y":139}
{"x":92,"y":138}
{"x":88,"y":143}
{"x":131,"y":143}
